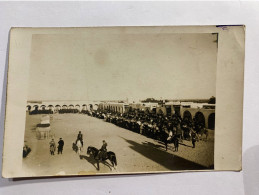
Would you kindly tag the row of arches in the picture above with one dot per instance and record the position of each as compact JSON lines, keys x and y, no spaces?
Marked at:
{"x":59,"y":107}
{"x":113,"y":108}
{"x":200,"y":118}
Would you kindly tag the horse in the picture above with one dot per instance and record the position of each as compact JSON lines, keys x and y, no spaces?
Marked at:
{"x":74,"y":147}
{"x":110,"y":155}
{"x":172,"y":139}
{"x":79,"y":147}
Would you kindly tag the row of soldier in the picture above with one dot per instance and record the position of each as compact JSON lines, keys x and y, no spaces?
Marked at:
{"x":156,"y":126}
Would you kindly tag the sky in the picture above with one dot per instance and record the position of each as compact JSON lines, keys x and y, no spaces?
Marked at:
{"x":103,"y":65}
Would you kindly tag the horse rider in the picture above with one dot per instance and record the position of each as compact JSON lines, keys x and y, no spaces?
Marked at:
{"x":80,"y":137}
{"x":103,"y":150}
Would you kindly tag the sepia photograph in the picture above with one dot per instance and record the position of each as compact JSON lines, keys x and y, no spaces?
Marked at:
{"x":105,"y":102}
{"x":129,"y":98}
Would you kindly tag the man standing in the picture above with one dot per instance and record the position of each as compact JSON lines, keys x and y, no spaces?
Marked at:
{"x":176,"y":143}
{"x":52,"y":147}
{"x":194,"y":136}
{"x":60,"y":145}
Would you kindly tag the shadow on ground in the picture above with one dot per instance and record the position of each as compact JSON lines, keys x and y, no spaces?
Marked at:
{"x":92,"y":161}
{"x":169,"y":161}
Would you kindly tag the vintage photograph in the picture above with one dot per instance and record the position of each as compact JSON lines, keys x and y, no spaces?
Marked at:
{"x":106,"y":102}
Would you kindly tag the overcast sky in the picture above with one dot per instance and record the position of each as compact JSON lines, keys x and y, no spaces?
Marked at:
{"x":112,"y":66}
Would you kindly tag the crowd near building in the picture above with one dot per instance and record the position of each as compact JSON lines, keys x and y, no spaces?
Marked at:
{"x":193,"y":111}
{"x":161,"y":120}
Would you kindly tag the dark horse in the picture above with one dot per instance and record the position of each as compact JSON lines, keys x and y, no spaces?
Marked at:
{"x":174,"y":139}
{"x":110,"y":155}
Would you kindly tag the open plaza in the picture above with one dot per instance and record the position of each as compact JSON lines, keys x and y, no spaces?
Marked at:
{"x":135,"y":152}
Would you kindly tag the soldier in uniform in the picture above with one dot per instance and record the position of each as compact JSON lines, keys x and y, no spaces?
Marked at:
{"x":194,"y":138}
{"x":103,"y":151}
{"x":60,"y":145}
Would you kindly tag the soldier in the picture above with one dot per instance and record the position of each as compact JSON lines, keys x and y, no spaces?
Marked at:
{"x":60,"y":145}
{"x":52,"y":146}
{"x":103,"y":151}
{"x":194,"y":135}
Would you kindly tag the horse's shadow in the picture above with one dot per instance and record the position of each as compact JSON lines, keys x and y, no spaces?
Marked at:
{"x":93,"y":161}
{"x":185,"y":145}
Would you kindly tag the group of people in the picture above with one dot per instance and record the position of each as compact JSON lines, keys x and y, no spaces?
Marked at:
{"x":168,"y":129}
{"x":53,"y":146}
{"x":102,"y":152}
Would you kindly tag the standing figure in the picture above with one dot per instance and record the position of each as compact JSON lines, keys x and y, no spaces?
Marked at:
{"x":179,"y":132}
{"x":52,"y":147}
{"x":176,"y":143}
{"x":193,"y":139}
{"x":80,"y":137}
{"x":60,"y":145}
{"x":164,"y":137}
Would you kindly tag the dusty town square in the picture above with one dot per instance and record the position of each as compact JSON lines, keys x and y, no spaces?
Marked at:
{"x":135,"y":153}
{"x":130,"y":92}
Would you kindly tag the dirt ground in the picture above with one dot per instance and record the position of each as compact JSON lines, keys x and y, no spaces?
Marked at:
{"x":134,"y":152}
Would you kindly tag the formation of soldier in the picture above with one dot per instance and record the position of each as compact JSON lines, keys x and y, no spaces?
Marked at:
{"x":170,"y":128}
{"x":156,"y":126}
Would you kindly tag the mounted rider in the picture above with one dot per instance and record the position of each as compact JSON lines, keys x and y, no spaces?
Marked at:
{"x":80,"y":137}
{"x":103,"y":151}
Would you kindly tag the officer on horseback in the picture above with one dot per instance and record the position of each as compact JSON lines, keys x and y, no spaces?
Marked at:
{"x":103,"y":151}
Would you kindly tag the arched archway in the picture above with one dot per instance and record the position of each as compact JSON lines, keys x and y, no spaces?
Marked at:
{"x":64,"y":107}
{"x":42,"y":107}
{"x":36,"y":107}
{"x":77,"y":107}
{"x":28,"y":108}
{"x":211,"y":121}
{"x":199,"y":118}
{"x":50,"y":107}
{"x":187,"y":115}
{"x":95,"y":106}
{"x":57,"y":107}
{"x":84,"y":107}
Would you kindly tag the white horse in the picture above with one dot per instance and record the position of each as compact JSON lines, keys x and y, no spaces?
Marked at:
{"x":79,"y":146}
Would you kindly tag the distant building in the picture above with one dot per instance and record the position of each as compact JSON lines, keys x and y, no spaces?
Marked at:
{"x":113,"y":107}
